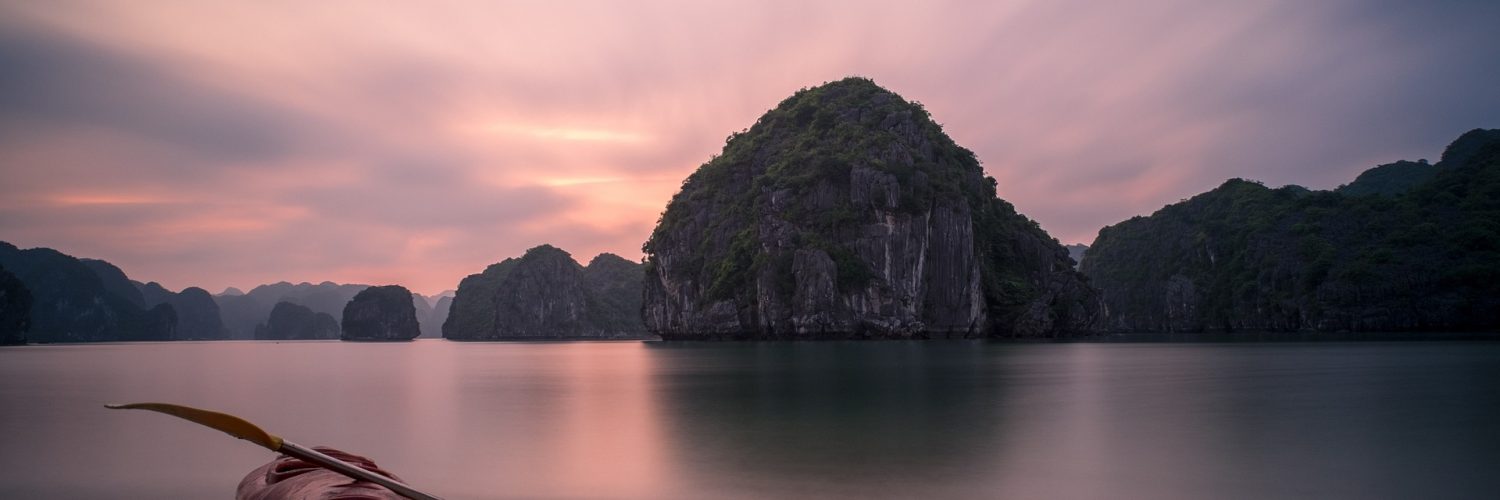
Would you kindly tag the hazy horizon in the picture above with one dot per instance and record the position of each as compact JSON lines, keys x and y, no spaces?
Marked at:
{"x":237,"y":144}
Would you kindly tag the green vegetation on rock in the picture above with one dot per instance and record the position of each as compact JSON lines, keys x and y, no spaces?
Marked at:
{"x":1385,"y":256}
{"x":789,"y":232}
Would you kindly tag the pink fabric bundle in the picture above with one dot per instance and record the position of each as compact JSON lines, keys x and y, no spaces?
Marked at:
{"x":288,"y":478}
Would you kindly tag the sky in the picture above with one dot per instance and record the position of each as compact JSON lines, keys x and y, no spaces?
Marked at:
{"x":211,"y":144}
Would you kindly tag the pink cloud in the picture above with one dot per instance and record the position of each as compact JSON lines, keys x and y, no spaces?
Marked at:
{"x":219,"y":143}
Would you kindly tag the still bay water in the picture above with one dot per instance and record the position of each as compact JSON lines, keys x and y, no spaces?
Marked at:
{"x":773,"y":420}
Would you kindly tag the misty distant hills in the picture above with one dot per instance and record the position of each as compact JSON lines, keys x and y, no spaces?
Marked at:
{"x":198,"y":315}
{"x":289,"y":321}
{"x":245,"y":312}
{"x":432,"y":327}
{"x":1075,"y":252}
{"x":432,"y":311}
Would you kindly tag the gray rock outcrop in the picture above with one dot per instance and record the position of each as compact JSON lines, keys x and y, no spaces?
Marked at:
{"x":380,"y":313}
{"x":288,"y":321}
{"x":546,"y":294}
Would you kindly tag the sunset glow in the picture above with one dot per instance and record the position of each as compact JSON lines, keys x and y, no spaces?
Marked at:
{"x":232,"y":144}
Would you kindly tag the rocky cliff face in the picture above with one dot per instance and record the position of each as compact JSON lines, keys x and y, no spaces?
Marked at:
{"x":380,"y":313}
{"x":1245,"y":257}
{"x":542,"y":297}
{"x":472,"y":314}
{"x":288,"y":321}
{"x":197,"y":312}
{"x":846,"y":212}
{"x":546,"y":294}
{"x":71,"y":303}
{"x":15,"y":309}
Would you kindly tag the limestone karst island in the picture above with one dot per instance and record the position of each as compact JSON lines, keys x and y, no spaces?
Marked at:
{"x":743,"y":250}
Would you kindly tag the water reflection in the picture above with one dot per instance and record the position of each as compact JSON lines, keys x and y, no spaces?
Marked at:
{"x":777,"y":420}
{"x":774,"y":420}
{"x":1254,"y":421}
{"x":560,"y":420}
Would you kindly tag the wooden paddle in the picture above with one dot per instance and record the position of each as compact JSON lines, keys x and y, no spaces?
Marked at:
{"x":243,"y":429}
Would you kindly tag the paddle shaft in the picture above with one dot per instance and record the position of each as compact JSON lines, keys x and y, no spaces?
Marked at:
{"x":313,"y":456}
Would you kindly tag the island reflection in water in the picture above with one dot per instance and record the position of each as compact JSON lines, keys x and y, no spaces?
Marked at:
{"x":773,"y":420}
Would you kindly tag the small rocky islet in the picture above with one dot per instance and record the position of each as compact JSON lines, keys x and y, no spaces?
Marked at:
{"x":380,"y":313}
{"x":546,"y":294}
{"x":289,"y":321}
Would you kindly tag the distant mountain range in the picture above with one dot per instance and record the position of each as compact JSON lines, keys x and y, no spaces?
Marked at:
{"x":48,"y":296}
{"x":243,"y":313}
{"x":1075,"y":252}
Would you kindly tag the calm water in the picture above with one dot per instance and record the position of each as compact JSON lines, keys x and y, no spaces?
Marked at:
{"x":785,"y":420}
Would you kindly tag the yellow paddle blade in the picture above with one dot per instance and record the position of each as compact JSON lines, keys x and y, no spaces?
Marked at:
{"x":230,"y":424}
